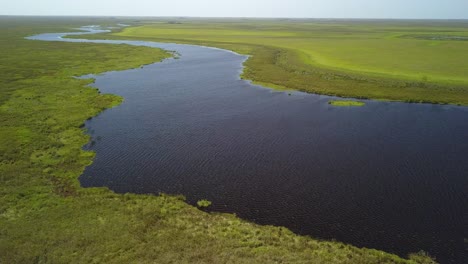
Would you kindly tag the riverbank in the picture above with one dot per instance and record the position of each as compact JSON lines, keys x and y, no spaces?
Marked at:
{"x":45,"y":216}
{"x":358,"y":59}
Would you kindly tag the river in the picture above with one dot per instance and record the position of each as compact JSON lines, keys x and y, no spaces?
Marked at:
{"x":388,"y":175}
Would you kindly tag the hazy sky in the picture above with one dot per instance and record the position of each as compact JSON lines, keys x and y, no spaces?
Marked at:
{"x":243,"y":8}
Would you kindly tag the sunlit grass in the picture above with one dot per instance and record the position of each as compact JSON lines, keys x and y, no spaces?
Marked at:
{"x":351,"y":59}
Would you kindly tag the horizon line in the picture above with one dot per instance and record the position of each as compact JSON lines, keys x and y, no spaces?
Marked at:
{"x":232,"y":17}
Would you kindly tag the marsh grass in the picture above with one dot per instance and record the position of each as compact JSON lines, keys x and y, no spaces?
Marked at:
{"x":46,"y":217}
{"x":203,"y":203}
{"x":346,"y":103}
{"x":355,"y":59}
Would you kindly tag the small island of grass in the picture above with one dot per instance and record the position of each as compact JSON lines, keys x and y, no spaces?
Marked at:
{"x":346,"y":103}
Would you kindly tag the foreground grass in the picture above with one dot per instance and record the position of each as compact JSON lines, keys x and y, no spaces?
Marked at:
{"x":361,"y":59}
{"x":46,"y":217}
{"x":346,"y":103}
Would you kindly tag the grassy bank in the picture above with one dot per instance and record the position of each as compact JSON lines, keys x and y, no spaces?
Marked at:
{"x":46,"y":217}
{"x":412,"y":61}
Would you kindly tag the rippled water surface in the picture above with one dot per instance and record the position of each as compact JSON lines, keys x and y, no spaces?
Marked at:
{"x":391,"y":176}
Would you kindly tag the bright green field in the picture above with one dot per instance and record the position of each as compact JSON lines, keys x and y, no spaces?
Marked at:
{"x":391,"y":60}
{"x":46,"y":217}
{"x":361,"y":48}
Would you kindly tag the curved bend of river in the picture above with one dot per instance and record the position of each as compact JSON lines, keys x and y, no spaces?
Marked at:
{"x":391,"y":176}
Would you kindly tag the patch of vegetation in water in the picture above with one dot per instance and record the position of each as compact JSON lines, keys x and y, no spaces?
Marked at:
{"x":203,"y":203}
{"x":346,"y":103}
{"x":46,"y":217}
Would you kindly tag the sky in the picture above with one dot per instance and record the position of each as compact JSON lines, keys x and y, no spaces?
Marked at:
{"x":417,"y":9}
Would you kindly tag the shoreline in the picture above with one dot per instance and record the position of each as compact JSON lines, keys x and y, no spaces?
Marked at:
{"x":189,"y":205}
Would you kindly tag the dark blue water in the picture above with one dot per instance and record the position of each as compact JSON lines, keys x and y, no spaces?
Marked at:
{"x":391,"y":176}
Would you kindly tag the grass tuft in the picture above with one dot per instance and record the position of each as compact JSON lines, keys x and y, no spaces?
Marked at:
{"x":346,"y":103}
{"x":203,"y":203}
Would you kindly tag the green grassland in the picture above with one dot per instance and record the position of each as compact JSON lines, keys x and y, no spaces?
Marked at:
{"x":346,"y":103}
{"x":46,"y":217}
{"x":412,"y":61}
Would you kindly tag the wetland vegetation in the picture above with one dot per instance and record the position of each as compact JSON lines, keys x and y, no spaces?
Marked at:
{"x":346,"y":103}
{"x":45,"y":216}
{"x":411,"y":61}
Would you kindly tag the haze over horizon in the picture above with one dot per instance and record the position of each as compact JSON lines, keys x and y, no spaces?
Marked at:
{"x":397,"y":9}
